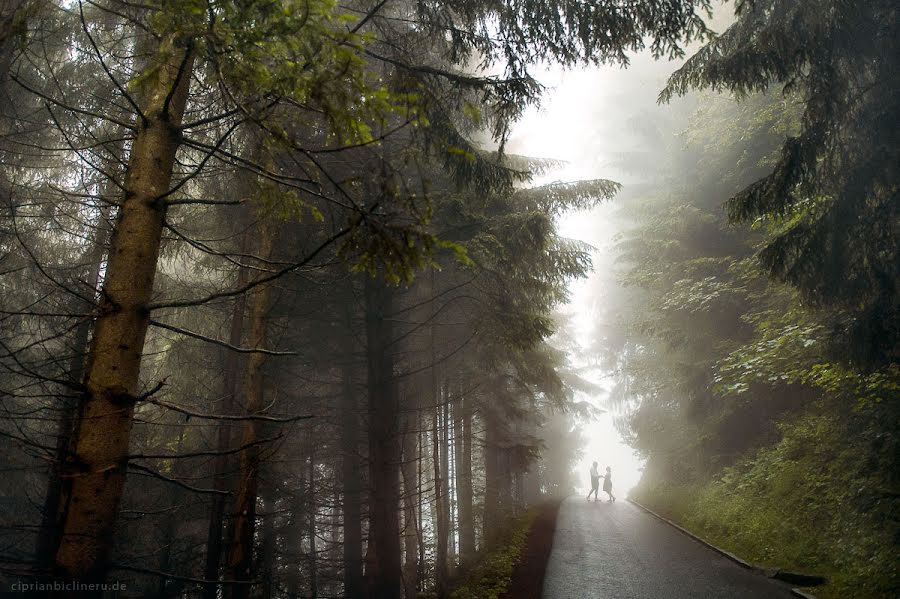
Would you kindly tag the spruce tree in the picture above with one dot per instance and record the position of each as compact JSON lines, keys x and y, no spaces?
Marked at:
{"x":833,"y":196}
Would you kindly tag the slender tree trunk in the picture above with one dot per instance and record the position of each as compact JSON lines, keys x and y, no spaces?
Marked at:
{"x":96,"y":476}
{"x":447,"y":458}
{"x":385,"y":570}
{"x":492,"y":481}
{"x":240,"y":554}
{"x":420,"y":498}
{"x":532,"y":486}
{"x":453,"y":451}
{"x":410,"y":522}
{"x":351,"y":467}
{"x":269,"y":544}
{"x":464,"y":484}
{"x":506,"y":481}
{"x":296,"y":531}
{"x":224,"y":435}
{"x":311,"y":509}
{"x":171,"y":524}
{"x":439,"y":456}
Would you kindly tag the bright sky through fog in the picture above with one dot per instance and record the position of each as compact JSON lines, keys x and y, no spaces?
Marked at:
{"x":589,"y":117}
{"x":581,"y":110}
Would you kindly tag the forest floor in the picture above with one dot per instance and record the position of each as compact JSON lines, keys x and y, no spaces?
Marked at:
{"x":527,"y":579}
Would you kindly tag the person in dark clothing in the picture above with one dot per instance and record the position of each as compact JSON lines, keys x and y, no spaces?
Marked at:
{"x":595,"y":482}
{"x":607,"y":485}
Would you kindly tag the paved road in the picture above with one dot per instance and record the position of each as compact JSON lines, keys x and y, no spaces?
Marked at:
{"x":618,"y":551}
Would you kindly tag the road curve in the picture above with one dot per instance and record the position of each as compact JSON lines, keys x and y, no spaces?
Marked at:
{"x":618,"y":551}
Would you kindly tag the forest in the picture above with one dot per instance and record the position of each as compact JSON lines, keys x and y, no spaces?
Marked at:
{"x":283,"y":312}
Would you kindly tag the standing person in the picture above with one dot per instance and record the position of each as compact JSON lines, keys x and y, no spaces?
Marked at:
{"x":607,"y":485}
{"x":595,"y":482}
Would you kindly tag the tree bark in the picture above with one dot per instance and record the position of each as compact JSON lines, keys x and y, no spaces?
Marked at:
{"x":420,"y":496}
{"x":95,"y":478}
{"x":240,"y":554}
{"x":462,"y":448}
{"x":269,"y":544}
{"x":464,"y":484}
{"x":492,"y":481}
{"x":296,"y":531}
{"x":311,"y":523}
{"x":385,"y":577}
{"x":171,"y":524}
{"x":439,"y":457}
{"x":449,"y":486}
{"x":224,"y":434}
{"x":351,"y":469}
{"x":410,"y":522}
{"x":453,"y":452}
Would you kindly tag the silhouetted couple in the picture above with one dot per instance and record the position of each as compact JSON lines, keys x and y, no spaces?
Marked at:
{"x":595,"y":483}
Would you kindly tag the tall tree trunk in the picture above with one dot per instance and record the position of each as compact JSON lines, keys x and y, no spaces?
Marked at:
{"x":50,"y":532}
{"x":240,"y":554}
{"x":448,"y":481}
{"x":463,"y":446}
{"x":410,"y":522}
{"x":420,"y":497}
{"x":492,"y":480}
{"x":294,"y":540}
{"x":95,"y":478}
{"x":171,"y":524}
{"x":311,"y":523}
{"x":351,"y":466}
{"x":269,"y":544}
{"x":385,"y":576}
{"x":224,"y":435}
{"x":506,"y":481}
{"x":439,"y":456}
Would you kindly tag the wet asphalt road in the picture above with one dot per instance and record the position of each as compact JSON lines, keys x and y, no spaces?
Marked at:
{"x":618,"y":551}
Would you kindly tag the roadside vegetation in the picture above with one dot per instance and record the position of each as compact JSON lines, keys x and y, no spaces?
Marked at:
{"x":491,"y":577}
{"x":754,"y":331}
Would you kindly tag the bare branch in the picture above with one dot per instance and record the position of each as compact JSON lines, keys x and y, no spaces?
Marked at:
{"x":204,"y":338}
{"x":204,"y":416}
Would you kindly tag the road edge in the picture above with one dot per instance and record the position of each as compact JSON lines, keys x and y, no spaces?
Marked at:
{"x":767,"y":572}
{"x":527,"y":578}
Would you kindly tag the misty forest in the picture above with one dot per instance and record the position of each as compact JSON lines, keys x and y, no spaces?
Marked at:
{"x":319,"y":298}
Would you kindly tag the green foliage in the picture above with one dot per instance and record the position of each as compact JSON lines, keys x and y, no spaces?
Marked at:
{"x":818,"y":501}
{"x":832,"y":192}
{"x":762,"y":431}
{"x":490,"y":578}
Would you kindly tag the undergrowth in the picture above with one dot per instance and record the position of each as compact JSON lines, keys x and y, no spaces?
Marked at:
{"x":820,"y":501}
{"x":490,"y":578}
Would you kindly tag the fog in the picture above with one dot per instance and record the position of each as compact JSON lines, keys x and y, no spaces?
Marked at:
{"x":278,"y":319}
{"x":588,"y":119}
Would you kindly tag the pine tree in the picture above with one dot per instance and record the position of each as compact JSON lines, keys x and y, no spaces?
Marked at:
{"x":833,"y":195}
